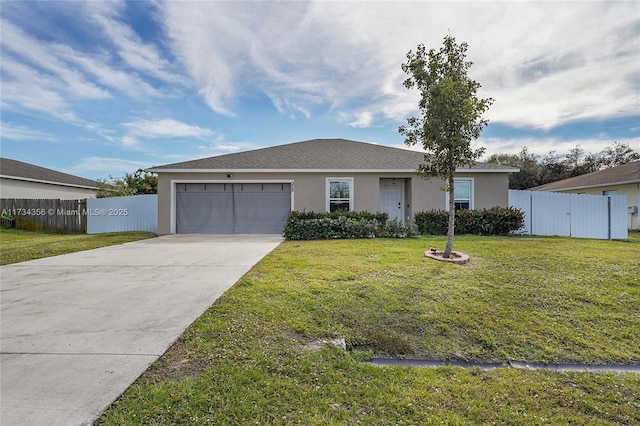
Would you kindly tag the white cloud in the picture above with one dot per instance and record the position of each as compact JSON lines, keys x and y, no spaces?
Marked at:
{"x":539,"y":145}
{"x":102,"y":167}
{"x":227,"y":148}
{"x":166,"y":128}
{"x":24,"y":87}
{"x":23,"y":133}
{"x":117,"y":80}
{"x":139,"y":55}
{"x":58,"y":73}
{"x":47,"y":76}
{"x":210,"y":45}
{"x":139,"y":131}
{"x":545,"y":63}
{"x":362,"y":119}
{"x":542,"y":145}
{"x":130,"y":142}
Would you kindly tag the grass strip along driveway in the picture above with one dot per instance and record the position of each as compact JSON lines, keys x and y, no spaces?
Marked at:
{"x":19,"y":246}
{"x":248,"y":359}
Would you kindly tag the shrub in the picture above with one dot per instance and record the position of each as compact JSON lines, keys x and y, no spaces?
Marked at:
{"x":345,"y":225}
{"x":368,"y":216}
{"x":398,"y":229}
{"x":7,"y":221}
{"x":493,"y":221}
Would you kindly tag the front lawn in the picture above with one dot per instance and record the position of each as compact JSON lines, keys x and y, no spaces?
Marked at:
{"x":19,"y":246}
{"x":247,"y":360}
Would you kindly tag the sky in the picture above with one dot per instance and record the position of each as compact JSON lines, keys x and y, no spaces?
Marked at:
{"x":102,"y":88}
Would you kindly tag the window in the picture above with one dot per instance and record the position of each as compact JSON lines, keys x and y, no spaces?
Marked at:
{"x":463,"y":193}
{"x":339,"y":194}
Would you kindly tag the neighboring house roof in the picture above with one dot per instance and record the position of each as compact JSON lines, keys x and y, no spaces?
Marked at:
{"x":619,"y":175}
{"x":317,"y":155}
{"x":14,"y":169}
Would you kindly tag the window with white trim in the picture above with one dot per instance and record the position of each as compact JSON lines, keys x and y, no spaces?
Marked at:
{"x":463,"y":194}
{"x":339,"y":194}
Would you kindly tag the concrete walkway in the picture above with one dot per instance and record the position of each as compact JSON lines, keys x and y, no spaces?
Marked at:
{"x":77,"y":330}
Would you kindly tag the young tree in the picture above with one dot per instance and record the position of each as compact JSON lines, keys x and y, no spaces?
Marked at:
{"x":618,"y":154}
{"x":527,"y":162}
{"x":137,"y":183}
{"x":450,"y":115}
{"x":538,"y":170}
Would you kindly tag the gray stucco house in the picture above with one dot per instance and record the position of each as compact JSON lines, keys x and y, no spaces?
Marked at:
{"x":254,"y":191}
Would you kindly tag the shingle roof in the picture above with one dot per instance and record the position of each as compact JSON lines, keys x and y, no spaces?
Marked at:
{"x":626,"y":173}
{"x":316,"y":154}
{"x":17,"y":169}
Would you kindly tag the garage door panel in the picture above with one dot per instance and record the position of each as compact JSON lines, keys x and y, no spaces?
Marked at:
{"x":261,"y":208}
{"x":225,"y":208}
{"x":204,"y":209}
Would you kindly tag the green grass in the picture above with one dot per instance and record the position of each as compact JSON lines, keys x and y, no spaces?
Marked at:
{"x":19,"y":246}
{"x":539,"y":300}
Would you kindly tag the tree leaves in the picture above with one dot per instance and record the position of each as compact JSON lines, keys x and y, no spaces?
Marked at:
{"x":450,"y":114}
{"x":140,"y":182}
{"x":536,"y":170}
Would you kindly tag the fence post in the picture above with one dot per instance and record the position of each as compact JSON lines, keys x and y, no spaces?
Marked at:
{"x":609,"y":218}
{"x":531,"y":213}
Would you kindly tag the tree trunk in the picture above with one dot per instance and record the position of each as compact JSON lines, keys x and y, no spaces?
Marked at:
{"x":452,"y":218}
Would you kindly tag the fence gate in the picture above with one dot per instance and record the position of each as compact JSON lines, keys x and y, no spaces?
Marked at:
{"x":122,"y":214}
{"x":574,"y":215}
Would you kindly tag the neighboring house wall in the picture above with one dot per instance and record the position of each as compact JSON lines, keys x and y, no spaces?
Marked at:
{"x":15,"y":188}
{"x":632,"y":191}
{"x":309,"y":190}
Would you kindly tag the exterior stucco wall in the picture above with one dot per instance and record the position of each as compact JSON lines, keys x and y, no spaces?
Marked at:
{"x":309,"y":190}
{"x":489,"y":189}
{"x":631,"y":190}
{"x":13,"y":188}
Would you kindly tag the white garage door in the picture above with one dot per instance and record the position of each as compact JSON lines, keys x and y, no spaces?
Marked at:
{"x":232,"y":208}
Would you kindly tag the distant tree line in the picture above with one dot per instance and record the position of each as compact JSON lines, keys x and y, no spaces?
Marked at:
{"x":538,"y":170}
{"x":137,"y":183}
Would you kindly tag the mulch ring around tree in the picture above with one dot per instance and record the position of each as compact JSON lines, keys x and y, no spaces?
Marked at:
{"x":457,"y":257}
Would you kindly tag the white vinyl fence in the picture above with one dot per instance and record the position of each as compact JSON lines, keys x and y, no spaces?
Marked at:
{"x":572,"y":215}
{"x":121,"y":214}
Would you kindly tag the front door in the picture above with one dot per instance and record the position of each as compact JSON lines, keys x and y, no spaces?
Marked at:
{"x":392,"y":198}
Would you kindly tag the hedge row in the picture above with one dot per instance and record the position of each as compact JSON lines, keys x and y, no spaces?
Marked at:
{"x":345,"y":225}
{"x":494,"y":221}
{"x":364,"y":215}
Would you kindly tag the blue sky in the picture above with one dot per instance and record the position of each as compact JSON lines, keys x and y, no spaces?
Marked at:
{"x":100,"y":89}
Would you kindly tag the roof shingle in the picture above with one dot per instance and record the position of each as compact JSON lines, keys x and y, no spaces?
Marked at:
{"x":17,"y":169}
{"x":315,"y":154}
{"x":626,"y":173}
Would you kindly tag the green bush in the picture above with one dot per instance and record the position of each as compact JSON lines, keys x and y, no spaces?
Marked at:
{"x":493,"y":221}
{"x":398,"y":229}
{"x":368,"y":216}
{"x":345,"y":225}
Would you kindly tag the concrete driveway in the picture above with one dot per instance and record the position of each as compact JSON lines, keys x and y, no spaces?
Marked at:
{"x":76,"y":330}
